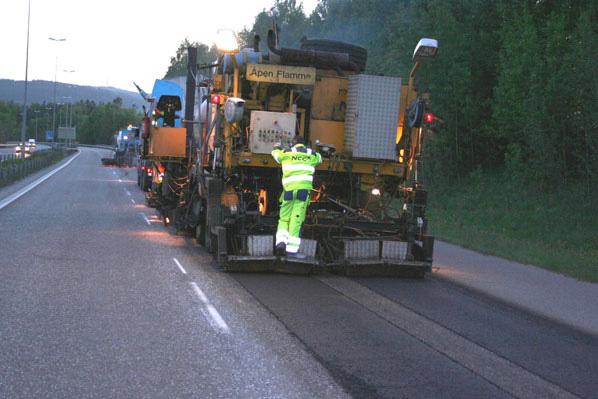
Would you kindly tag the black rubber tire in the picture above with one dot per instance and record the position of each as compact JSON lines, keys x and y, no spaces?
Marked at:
{"x":200,"y":233}
{"x":415,"y":114}
{"x":356,"y":53}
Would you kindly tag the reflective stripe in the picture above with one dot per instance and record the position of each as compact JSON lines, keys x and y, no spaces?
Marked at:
{"x":295,"y":241}
{"x":275,"y":158}
{"x":292,"y":249}
{"x":282,"y":236}
{"x":292,"y":167}
{"x":293,"y":149}
{"x":309,"y":151}
{"x":292,"y":179}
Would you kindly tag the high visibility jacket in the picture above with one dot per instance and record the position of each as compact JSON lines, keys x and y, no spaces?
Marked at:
{"x":298,"y":166}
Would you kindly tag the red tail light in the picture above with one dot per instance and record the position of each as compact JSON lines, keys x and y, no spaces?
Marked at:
{"x":428,"y":118}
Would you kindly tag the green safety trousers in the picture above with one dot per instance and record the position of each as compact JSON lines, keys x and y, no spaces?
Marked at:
{"x":293,"y":206}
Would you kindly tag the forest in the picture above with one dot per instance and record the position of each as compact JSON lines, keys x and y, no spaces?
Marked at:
{"x":515,"y":81}
{"x":96,"y":123}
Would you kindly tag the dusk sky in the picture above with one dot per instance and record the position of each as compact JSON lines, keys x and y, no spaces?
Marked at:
{"x":110,"y":42}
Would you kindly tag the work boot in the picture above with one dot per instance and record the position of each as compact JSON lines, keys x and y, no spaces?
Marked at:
{"x":281,"y":248}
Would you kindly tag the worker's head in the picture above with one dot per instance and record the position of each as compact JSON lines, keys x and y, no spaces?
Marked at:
{"x":297,"y":139}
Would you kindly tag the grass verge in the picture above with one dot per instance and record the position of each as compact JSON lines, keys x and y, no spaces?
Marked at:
{"x":557,"y":230}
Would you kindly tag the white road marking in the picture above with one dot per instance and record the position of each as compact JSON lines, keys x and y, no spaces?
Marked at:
{"x":200,"y":293}
{"x":180,"y":266}
{"x":217,"y":318}
{"x":132,"y":200}
{"x":13,"y":197}
{"x":120,"y":181}
{"x":214,"y":315}
{"x":128,"y":193}
{"x":145,"y":218}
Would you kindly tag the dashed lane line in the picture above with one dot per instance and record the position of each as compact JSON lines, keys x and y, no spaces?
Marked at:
{"x":179,"y":265}
{"x":215,"y":318}
{"x":145,"y":218}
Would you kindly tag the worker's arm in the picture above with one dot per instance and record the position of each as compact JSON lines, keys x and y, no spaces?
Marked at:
{"x":277,"y":152}
{"x":317,"y":159}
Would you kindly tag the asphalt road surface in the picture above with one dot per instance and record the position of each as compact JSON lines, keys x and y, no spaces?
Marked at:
{"x":99,"y":299}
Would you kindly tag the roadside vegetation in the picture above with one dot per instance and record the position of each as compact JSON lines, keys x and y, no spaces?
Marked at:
{"x":492,"y":214}
{"x":96,"y":123}
{"x":18,"y":168}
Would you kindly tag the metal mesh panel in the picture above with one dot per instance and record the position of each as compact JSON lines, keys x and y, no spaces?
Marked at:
{"x":308,"y":247}
{"x":395,"y":250}
{"x":361,"y":249}
{"x":372,"y":116}
{"x":260,"y":245}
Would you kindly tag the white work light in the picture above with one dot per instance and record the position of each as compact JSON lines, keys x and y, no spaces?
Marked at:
{"x":426,"y":49}
{"x":226,"y":41}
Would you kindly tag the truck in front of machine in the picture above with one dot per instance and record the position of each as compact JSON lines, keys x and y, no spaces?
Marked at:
{"x":367,"y":211}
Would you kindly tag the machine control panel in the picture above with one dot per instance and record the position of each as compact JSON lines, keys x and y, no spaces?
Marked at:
{"x":269,"y":128}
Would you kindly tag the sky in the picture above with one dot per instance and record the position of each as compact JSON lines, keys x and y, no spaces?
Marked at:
{"x":113,"y":42}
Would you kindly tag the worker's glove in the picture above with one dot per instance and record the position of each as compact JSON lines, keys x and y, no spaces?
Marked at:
{"x":277,"y":146}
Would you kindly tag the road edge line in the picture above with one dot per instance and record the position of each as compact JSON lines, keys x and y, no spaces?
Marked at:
{"x":15,"y":196}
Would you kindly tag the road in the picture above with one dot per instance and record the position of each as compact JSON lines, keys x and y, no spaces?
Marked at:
{"x":11,"y":149}
{"x":99,"y":299}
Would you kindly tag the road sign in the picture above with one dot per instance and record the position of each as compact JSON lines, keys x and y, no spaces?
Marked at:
{"x":66,"y":133}
{"x":49,"y":135}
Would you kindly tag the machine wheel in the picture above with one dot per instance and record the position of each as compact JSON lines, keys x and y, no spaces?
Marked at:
{"x":200,"y":233}
{"x":357,"y":54}
{"x":415,"y":114}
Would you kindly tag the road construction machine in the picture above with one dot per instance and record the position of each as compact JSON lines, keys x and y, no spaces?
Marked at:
{"x":214,"y":176}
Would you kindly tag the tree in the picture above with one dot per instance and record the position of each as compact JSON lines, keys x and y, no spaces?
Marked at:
{"x":178,"y":63}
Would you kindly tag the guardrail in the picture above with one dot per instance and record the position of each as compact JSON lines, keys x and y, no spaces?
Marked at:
{"x":17,"y":168}
{"x":101,"y":146}
{"x":7,"y":157}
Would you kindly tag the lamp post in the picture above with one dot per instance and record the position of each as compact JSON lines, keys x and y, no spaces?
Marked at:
{"x":70,"y":102}
{"x":24,"y":123}
{"x":36,"y":112}
{"x":55,"y":73}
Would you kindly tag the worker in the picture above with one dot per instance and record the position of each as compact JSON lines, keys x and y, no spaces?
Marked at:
{"x":298,"y":167}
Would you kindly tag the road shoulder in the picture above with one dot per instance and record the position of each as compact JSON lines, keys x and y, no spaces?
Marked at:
{"x":548,"y":294}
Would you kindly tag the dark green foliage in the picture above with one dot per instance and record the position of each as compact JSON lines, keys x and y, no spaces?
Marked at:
{"x":178,"y":63}
{"x":497,"y":216}
{"x":8,"y":120}
{"x":515,"y":81}
{"x":95,"y":123}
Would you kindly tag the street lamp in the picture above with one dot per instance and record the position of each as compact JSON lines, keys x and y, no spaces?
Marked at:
{"x":71,"y":98}
{"x":69,"y":103}
{"x":55,"y":73}
{"x":24,"y":123}
{"x":36,"y":111}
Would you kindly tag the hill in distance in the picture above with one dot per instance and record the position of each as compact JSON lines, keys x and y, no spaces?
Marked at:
{"x":40,"y":91}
